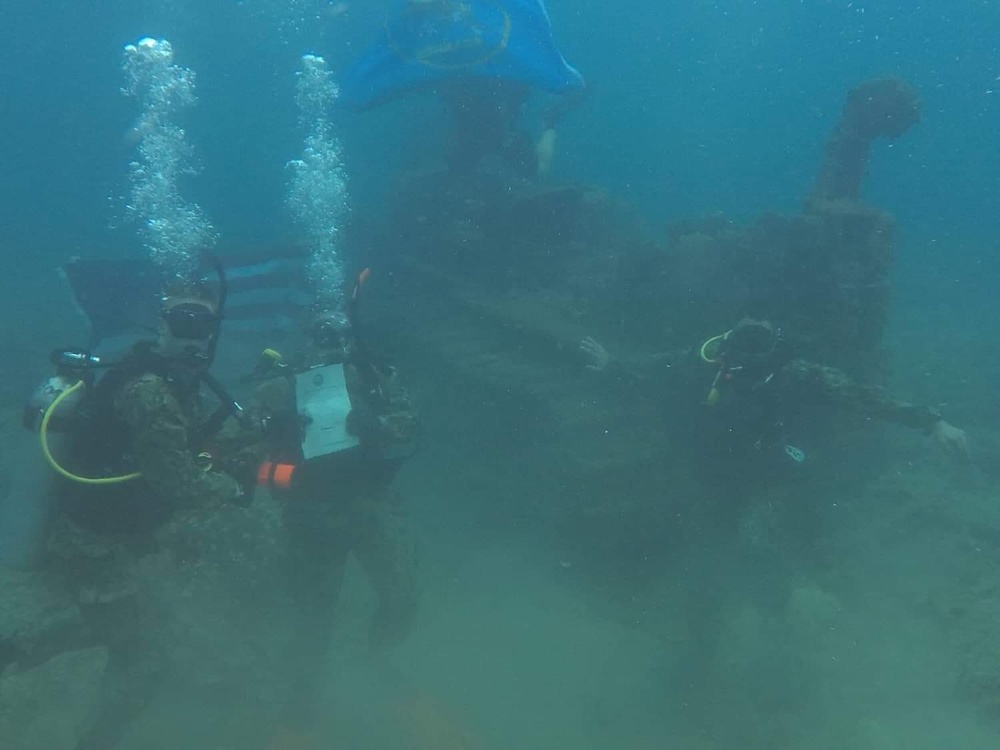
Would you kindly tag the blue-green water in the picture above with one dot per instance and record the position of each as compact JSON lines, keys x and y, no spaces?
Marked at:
{"x":699,"y":106}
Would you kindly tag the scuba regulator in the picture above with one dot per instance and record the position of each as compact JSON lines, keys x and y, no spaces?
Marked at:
{"x":74,"y":369}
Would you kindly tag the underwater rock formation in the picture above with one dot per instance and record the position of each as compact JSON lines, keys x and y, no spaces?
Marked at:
{"x":506,"y":276}
{"x":824,"y":274}
{"x":853,"y":249}
{"x":501,"y":234}
{"x":879,"y":107}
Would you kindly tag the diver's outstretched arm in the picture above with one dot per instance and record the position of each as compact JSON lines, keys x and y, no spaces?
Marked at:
{"x":834,"y":385}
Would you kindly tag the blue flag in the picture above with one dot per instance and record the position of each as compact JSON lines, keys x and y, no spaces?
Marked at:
{"x":424,"y":42}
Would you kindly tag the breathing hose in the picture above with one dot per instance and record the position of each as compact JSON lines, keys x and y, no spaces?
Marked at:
{"x":43,"y":438}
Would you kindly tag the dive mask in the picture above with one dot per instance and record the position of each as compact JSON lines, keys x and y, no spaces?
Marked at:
{"x":191,"y":321}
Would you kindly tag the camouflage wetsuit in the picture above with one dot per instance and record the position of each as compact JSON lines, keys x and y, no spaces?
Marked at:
{"x":753,"y":412}
{"x":794,"y":379}
{"x":341,"y":504}
{"x":824,"y":383}
{"x":100,"y":532}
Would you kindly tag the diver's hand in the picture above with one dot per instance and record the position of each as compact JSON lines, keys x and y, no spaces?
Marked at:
{"x":597,"y":354}
{"x":951,"y":437}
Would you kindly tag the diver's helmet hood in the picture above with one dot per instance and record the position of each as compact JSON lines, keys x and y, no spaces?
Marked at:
{"x":329,"y":337}
{"x":191,"y":316}
{"x":751,"y":343}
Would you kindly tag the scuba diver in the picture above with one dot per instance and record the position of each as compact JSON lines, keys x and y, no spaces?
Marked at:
{"x":141,"y":450}
{"x":755,"y":390}
{"x":746,"y":414}
{"x":340,"y":425}
{"x":483,"y":59}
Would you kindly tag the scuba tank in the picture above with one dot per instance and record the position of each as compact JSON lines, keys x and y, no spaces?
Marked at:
{"x":26,"y":505}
